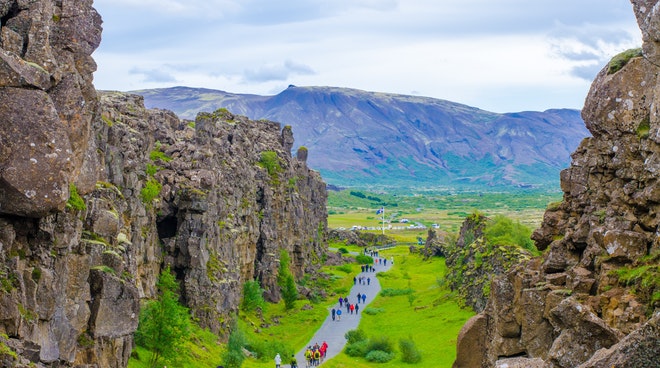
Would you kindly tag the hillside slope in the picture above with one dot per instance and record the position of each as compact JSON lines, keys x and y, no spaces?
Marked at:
{"x":357,"y":137}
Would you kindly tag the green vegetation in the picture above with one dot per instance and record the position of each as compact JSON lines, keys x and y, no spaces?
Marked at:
{"x":501,"y":230}
{"x":233,"y":356}
{"x":150,"y":191}
{"x":620,"y":60}
{"x":271,"y":163}
{"x":286,"y":281}
{"x":253,"y":296}
{"x":75,"y":200}
{"x":644,"y":278}
{"x":158,"y":155}
{"x":164,"y":324}
{"x":644,"y":128}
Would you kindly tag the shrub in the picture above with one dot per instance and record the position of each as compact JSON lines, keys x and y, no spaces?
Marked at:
{"x":409,"y":351}
{"x":343,"y":250}
{"x":362,"y":259}
{"x":150,"y":191}
{"x":503,"y":231}
{"x":373,"y":311}
{"x":253,"y":296}
{"x":381,"y":343}
{"x":286,"y":281}
{"x":396,"y":292}
{"x":345,"y":268}
{"x":157,"y":154}
{"x":379,"y":356}
{"x":266,"y":350}
{"x":354,"y":336}
{"x":75,"y":200}
{"x":233,"y":356}
{"x":271,"y":163}
{"x":357,"y":349}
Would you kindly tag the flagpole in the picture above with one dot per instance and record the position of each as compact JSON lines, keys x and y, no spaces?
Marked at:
{"x":383,"y":220}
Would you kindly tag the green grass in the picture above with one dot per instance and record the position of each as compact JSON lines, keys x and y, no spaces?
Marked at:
{"x":433,"y":321}
{"x":202,"y":350}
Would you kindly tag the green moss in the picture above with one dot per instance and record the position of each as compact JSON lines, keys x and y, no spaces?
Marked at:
{"x":36,"y":274}
{"x":152,"y":169}
{"x":644,"y":128}
{"x":106,"y":269}
{"x":85,"y":340}
{"x":75,"y":200}
{"x":620,"y":60}
{"x":107,"y":121}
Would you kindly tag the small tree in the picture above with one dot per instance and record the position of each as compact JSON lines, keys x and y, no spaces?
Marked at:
{"x":164,"y":323}
{"x":286,"y":282}
{"x":253,"y":296}
{"x":234,"y":357}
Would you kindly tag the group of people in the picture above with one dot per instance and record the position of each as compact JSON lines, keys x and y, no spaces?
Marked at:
{"x":314,"y":355}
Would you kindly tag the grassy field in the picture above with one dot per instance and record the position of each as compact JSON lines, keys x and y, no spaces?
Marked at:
{"x":430,"y":317}
{"x":448,"y":210}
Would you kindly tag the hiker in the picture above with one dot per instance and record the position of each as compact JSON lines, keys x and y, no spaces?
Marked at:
{"x":333,"y":313}
{"x":362,"y":268}
{"x":278,"y":360}
{"x":341,"y":300}
{"x":368,"y":280}
{"x":345,"y":300}
{"x":294,"y":361}
{"x":338,"y":314}
{"x":359,"y":296}
{"x":309,"y":356}
{"x":317,"y":357}
{"x":392,"y":260}
{"x":384,"y":261}
{"x":357,"y":308}
{"x":354,"y":280}
{"x":364,"y":298}
{"x":348,"y":308}
{"x":352,"y":308}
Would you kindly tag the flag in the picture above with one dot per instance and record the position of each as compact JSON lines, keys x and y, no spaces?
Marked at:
{"x":380,"y":210}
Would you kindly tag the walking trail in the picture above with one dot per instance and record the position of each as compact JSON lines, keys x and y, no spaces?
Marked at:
{"x":333,"y":332}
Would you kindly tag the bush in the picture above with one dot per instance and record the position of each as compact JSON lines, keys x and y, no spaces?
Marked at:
{"x":253,"y":296}
{"x":503,"y":231}
{"x":373,"y":311}
{"x":233,"y":356}
{"x":266,"y":350}
{"x":620,"y":60}
{"x":345,"y":268}
{"x":354,"y":336}
{"x":357,"y":349}
{"x":343,"y":250}
{"x":271,"y":163}
{"x":409,"y":352}
{"x":396,"y":292}
{"x":379,"y":356}
{"x":150,"y":191}
{"x":381,"y":343}
{"x":362,"y":259}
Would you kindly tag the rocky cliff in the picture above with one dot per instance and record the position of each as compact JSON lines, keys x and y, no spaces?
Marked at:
{"x":97,"y":193}
{"x":593,"y":299}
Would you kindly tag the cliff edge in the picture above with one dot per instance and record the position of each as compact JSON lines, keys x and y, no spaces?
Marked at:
{"x":593,"y":299}
{"x":98,"y":194}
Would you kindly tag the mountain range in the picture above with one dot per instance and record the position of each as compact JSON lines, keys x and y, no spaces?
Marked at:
{"x":359,"y":138}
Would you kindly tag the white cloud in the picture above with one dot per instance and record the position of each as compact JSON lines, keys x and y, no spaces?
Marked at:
{"x":507,"y":55}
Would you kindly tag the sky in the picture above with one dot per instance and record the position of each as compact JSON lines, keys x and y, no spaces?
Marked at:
{"x":497,"y":55}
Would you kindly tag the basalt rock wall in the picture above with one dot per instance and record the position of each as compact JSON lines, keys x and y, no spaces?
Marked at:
{"x":578,"y":305}
{"x":98,"y":193}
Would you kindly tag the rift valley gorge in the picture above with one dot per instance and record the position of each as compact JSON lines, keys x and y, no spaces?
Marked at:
{"x":99,"y":194}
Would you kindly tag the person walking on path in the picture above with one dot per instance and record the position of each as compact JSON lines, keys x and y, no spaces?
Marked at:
{"x":294,"y":362}
{"x":333,"y":313}
{"x":357,"y":308}
{"x":368,"y":281}
{"x":278,"y":360}
{"x":341,"y":301}
{"x":333,"y":333}
{"x":358,"y":297}
{"x":352,"y":308}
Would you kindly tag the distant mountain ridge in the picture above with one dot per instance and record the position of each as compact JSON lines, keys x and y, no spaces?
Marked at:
{"x":358,"y":138}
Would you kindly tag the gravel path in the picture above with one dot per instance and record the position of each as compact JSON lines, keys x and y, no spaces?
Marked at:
{"x":333,"y":332}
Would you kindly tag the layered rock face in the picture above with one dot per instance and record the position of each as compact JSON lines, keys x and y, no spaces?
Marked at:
{"x":200,"y":196}
{"x":572,"y":308}
{"x":218,"y":199}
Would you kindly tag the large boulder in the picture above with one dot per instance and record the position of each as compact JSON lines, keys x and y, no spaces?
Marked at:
{"x":47,"y":102}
